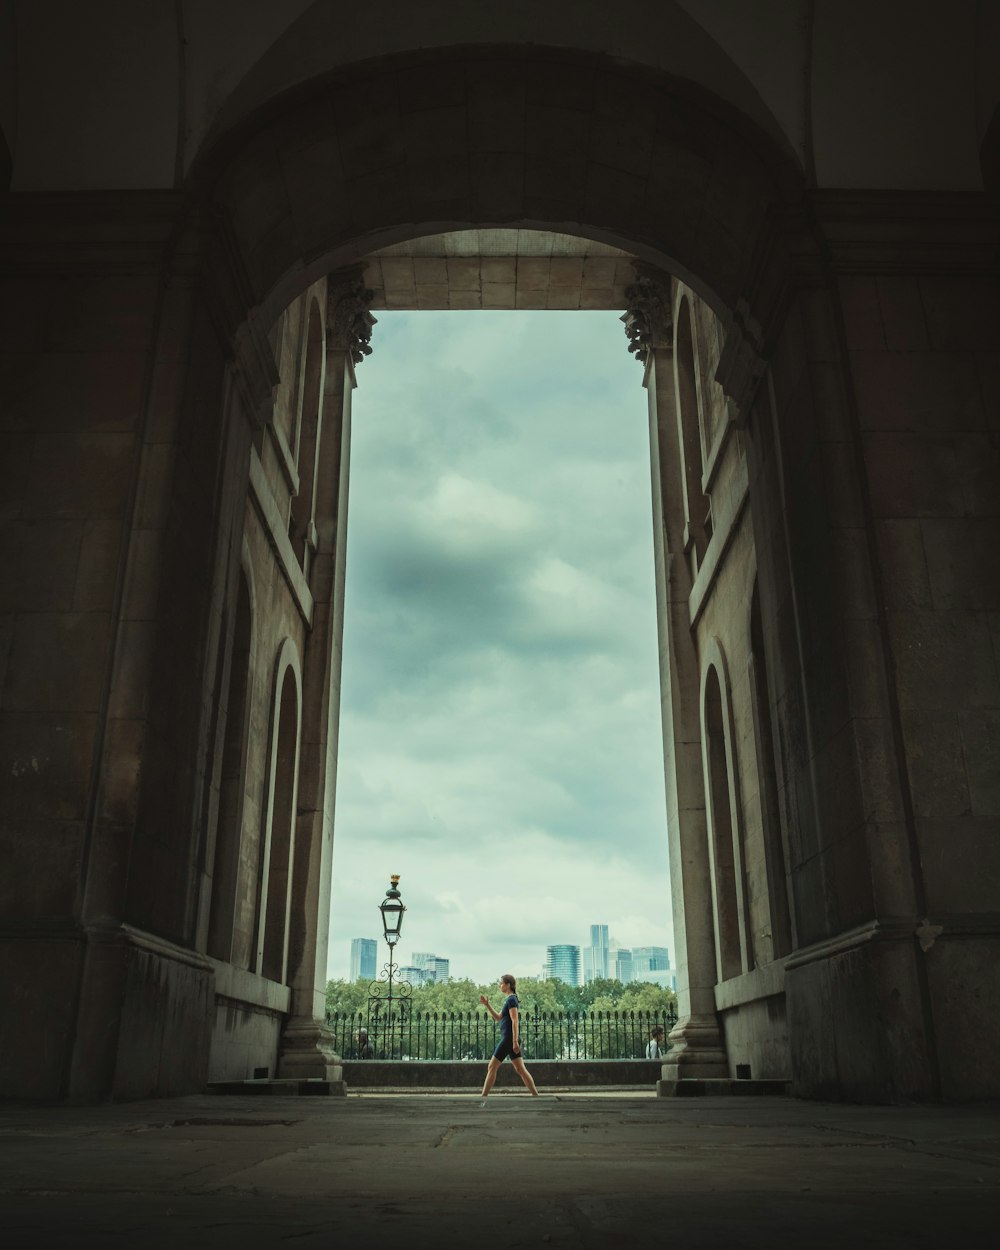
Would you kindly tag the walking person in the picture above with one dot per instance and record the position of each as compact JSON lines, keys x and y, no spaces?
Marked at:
{"x":509,"y":1044}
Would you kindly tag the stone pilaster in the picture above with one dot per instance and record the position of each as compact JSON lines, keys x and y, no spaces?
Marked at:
{"x":306,"y":1049}
{"x":698,"y":1049}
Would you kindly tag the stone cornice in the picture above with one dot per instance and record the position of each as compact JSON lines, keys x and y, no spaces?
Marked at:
{"x":908,"y":232}
{"x":926,"y":930}
{"x":113,"y":232}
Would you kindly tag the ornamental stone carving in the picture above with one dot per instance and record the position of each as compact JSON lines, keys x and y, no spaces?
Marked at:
{"x":349,"y":320}
{"x":741,"y":364}
{"x":648,"y":320}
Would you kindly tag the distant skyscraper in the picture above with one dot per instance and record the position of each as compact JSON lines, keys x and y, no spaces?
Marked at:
{"x":563,"y":962}
{"x":622,"y":964}
{"x":646,"y":959}
{"x":434,"y":967}
{"x":363,"y":955}
{"x":595,"y":957}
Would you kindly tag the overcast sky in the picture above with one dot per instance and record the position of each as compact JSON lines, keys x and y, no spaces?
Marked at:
{"x":500,"y":741}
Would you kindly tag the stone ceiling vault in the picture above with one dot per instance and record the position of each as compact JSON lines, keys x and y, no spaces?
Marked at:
{"x":499,"y":268}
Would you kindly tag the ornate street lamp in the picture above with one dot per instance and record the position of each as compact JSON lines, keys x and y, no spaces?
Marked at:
{"x":392,"y":909}
{"x":389,"y":997}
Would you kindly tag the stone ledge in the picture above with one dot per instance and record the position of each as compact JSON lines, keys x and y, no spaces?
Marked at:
{"x":467,"y":1074}
{"x":281,"y":1088}
{"x":716,"y":1087}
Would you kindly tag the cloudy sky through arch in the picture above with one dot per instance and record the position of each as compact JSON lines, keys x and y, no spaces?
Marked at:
{"x":500,"y":741}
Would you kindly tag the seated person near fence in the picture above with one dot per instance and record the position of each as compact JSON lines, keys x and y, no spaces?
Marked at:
{"x":364,"y":1049}
{"x":655,"y":1047}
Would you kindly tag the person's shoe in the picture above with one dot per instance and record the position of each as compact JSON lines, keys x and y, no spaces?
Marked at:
{"x":482,"y":1103}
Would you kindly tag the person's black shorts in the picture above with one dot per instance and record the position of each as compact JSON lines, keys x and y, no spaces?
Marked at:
{"x":505,"y":1050}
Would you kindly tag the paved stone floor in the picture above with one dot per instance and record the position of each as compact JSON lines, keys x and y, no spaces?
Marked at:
{"x":567,"y":1170}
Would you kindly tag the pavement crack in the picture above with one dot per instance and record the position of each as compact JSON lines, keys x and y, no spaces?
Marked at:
{"x":447,"y":1135}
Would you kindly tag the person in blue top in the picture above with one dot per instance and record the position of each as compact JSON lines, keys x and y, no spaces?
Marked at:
{"x":509,"y":1045}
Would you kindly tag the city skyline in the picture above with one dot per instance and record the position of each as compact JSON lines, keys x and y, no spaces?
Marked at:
{"x":500,"y":742}
{"x":641,"y":960}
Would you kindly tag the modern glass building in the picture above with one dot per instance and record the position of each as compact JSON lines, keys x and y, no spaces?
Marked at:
{"x":364,"y":952}
{"x":563,"y":962}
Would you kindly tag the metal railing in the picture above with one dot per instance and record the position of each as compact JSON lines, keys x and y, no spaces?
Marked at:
{"x":472,"y":1035}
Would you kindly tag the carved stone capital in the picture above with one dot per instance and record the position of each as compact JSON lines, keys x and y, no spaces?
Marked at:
{"x":741,"y":364}
{"x":349,"y":320}
{"x":648,"y":319}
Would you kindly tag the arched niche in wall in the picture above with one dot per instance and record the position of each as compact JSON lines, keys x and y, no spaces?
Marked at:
{"x":278,"y":844}
{"x":697,"y":505}
{"x":308,"y":434}
{"x":232,"y":777}
{"x":726,"y":857}
{"x":774,"y":848}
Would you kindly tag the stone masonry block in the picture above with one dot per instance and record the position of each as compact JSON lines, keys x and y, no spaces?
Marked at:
{"x":430,"y":271}
{"x":862,"y":316}
{"x":433,"y":87}
{"x":434,"y":178}
{"x":82,"y":475}
{"x":612,"y":194}
{"x":6,"y":637}
{"x":963,"y":314}
{"x":112,"y":312}
{"x":980,"y":732}
{"x":988,"y":371}
{"x":38,"y":564}
{"x":97,"y":568}
{"x":924,"y":392}
{"x":904,"y":576}
{"x":628,"y":149}
{"x":369,"y":139}
{"x":432,"y":131}
{"x":15,"y":459}
{"x":57,"y":662}
{"x":26,"y":305}
{"x":45,"y":765}
{"x":42,"y":861}
{"x":977,"y":459}
{"x":912,"y":475}
{"x":962,"y":558}
{"x":903,"y":320}
{"x":934,"y":764}
{"x":555,"y":178}
{"x":380,"y":195}
{"x":496,"y":109}
{"x":960,"y":858}
{"x":496,"y":182}
{"x":944,"y":661}
{"x":463,"y":273}
{"x":829,"y":401}
{"x":889,"y":856}
{"x":71,"y":391}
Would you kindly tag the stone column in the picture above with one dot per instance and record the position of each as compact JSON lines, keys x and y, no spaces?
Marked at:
{"x":307,"y":1044}
{"x":697,"y":1046}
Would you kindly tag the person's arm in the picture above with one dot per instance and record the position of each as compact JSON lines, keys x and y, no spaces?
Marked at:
{"x":486,"y":1003}
{"x":513,"y":1031}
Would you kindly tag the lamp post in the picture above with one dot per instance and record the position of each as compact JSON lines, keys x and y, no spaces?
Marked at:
{"x":388,"y":996}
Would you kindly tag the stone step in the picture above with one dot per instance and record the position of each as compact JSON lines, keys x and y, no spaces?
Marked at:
{"x":692,"y":1087}
{"x":285,"y":1088}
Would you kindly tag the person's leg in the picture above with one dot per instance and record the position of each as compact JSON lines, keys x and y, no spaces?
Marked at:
{"x":525,"y":1076}
{"x":491,"y":1076}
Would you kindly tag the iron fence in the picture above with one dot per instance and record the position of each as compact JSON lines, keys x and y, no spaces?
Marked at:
{"x":472,"y":1035}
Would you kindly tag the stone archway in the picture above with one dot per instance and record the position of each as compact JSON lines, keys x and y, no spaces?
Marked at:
{"x":437,"y":147}
{"x":319,"y":180}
